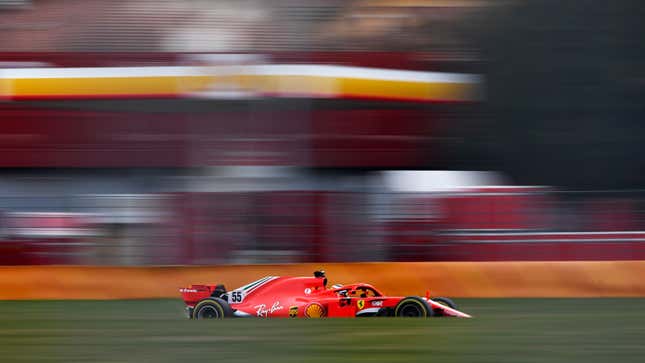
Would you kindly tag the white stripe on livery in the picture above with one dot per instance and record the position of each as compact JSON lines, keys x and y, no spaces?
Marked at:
{"x":254,"y":285}
{"x":368,"y":311}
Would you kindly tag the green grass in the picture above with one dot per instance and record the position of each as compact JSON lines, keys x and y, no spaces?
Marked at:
{"x":503,"y":330}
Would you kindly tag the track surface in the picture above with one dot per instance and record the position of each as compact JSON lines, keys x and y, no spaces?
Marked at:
{"x":504,"y":330}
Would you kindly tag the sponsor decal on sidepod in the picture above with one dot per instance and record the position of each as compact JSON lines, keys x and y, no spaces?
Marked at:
{"x":263,"y":312}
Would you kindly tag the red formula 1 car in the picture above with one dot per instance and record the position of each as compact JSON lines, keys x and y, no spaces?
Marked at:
{"x":307,"y":297}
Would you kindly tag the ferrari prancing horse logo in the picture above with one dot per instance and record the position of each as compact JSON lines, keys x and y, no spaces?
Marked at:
{"x":360,"y":304}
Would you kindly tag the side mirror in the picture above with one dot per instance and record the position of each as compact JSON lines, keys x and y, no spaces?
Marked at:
{"x":320,"y":274}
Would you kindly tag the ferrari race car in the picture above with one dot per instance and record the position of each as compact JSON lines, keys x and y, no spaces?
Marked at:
{"x":308,"y":297}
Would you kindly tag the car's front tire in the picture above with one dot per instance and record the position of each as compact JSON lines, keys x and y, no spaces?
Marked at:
{"x":212,"y":308}
{"x":413,"y":307}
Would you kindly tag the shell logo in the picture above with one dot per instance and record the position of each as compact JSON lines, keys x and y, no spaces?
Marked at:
{"x":314,"y":310}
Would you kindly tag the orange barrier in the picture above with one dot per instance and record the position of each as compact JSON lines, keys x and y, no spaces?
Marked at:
{"x":456,"y":279}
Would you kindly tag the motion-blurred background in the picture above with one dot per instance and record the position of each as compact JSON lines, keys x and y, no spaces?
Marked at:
{"x":146,"y":132}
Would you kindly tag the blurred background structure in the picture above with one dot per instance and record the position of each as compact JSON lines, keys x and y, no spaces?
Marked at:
{"x":187,"y":132}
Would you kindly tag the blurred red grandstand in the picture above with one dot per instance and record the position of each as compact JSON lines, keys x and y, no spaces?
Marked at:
{"x":142,"y":132}
{"x":308,"y":226}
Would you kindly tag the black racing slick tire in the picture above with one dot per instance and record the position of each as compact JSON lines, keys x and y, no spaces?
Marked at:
{"x":443,"y":301}
{"x":212,"y":308}
{"x":412,"y":307}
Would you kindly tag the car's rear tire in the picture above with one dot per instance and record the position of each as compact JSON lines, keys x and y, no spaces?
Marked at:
{"x":212,"y":308}
{"x":412,"y":307}
{"x":444,"y":301}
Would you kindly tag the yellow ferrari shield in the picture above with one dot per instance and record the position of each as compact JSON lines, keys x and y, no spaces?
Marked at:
{"x":360,"y":304}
